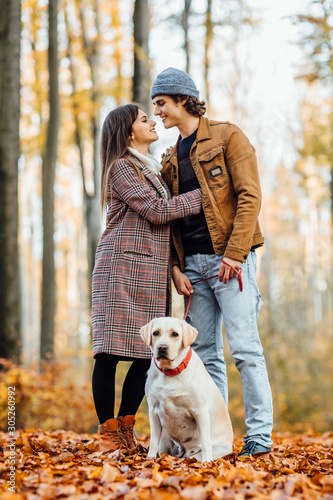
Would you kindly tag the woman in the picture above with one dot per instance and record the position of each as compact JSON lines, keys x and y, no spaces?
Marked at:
{"x":132,"y":275}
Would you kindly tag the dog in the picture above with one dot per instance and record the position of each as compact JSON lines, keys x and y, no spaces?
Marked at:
{"x":188,"y":415}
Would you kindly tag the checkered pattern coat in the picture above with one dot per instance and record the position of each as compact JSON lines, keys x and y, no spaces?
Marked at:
{"x":132,"y":276}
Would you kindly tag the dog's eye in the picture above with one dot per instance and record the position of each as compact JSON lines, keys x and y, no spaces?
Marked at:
{"x":156,"y":334}
{"x":174,"y":334}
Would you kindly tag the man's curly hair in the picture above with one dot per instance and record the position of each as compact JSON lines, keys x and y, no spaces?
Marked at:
{"x":192,"y":105}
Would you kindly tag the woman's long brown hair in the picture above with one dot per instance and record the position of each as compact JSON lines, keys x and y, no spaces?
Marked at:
{"x":115,"y":138}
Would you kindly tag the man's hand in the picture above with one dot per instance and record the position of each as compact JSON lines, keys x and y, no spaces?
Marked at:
{"x":181,"y":281}
{"x":168,"y":151}
{"x":226,"y":273}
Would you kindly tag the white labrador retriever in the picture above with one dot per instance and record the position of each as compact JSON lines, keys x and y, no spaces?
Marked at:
{"x":185,"y":406}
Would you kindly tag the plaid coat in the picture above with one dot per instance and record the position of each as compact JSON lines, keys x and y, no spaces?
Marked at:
{"x":132,"y":275}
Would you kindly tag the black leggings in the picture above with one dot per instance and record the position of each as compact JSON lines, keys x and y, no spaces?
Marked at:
{"x":103,"y":385}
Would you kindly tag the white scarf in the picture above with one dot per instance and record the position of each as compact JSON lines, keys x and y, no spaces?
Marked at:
{"x":154,"y":166}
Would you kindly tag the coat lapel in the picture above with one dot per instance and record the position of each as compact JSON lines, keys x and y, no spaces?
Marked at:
{"x":157,"y":182}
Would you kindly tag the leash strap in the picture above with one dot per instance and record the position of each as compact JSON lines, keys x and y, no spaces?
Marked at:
{"x":238,"y":274}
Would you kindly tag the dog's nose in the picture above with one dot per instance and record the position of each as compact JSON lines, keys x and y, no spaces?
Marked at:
{"x":162,"y":349}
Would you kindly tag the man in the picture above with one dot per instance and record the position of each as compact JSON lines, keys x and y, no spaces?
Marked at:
{"x":219,"y":158}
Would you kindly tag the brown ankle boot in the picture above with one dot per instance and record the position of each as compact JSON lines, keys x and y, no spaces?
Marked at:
{"x":111,"y":437}
{"x":127,"y":430}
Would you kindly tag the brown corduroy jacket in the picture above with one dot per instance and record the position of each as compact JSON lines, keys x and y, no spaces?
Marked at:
{"x":226,"y":166}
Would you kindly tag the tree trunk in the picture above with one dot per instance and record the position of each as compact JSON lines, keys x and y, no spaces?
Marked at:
{"x":185,"y":25}
{"x":49,"y":164}
{"x":141,"y":78}
{"x":117,"y":51}
{"x":331,"y":193}
{"x":10,"y":311}
{"x":92,"y":201}
{"x":208,"y":43}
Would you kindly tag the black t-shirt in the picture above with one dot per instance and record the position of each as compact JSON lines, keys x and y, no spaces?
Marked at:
{"x":194,"y":231}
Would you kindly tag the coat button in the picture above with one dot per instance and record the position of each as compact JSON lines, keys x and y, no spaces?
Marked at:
{"x":175,"y":176}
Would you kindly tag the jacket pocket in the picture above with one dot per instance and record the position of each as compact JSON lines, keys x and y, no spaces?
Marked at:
{"x":213,"y":166}
{"x":226,"y":203}
{"x":135,"y":248}
{"x":134,"y":241}
{"x":215,"y":170}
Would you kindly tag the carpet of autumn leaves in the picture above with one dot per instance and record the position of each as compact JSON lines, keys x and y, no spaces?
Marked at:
{"x":65,"y":465}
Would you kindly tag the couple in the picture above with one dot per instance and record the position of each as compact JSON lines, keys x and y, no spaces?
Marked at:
{"x":213,"y":176}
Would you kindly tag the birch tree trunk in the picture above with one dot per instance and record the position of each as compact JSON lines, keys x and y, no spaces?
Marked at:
{"x":48,"y":175}
{"x":141,"y":78}
{"x":10,"y":311}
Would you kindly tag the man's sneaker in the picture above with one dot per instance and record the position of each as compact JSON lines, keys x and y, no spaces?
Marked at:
{"x":254,"y":449}
{"x":111,"y":437}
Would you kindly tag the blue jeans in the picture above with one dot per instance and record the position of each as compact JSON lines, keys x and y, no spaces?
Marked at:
{"x":214,"y":302}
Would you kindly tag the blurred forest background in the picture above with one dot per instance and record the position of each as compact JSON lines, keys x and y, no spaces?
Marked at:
{"x":63,"y":65}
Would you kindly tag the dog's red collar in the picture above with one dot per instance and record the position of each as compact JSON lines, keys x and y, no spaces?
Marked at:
{"x":179,"y":368}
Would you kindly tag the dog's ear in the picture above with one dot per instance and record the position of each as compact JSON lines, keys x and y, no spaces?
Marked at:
{"x":189,"y":334}
{"x":146,"y":332}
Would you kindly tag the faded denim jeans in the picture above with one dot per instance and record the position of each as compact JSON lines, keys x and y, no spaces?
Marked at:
{"x":214,"y":302}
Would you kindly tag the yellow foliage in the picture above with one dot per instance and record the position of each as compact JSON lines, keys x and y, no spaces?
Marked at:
{"x":46,"y":399}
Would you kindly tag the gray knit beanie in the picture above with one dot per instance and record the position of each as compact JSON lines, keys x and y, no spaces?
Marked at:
{"x":173,"y":81}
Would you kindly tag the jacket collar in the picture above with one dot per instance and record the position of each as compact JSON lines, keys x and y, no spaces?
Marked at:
{"x":203,"y":130}
{"x":179,"y":368}
{"x":203,"y":134}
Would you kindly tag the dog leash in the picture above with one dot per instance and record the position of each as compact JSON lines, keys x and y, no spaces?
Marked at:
{"x":238,"y":274}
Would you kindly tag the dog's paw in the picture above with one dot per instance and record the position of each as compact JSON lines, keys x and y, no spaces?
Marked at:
{"x":152,"y":454}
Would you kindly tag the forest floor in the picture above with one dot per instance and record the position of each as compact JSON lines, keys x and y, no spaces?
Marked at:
{"x":65,"y":465}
